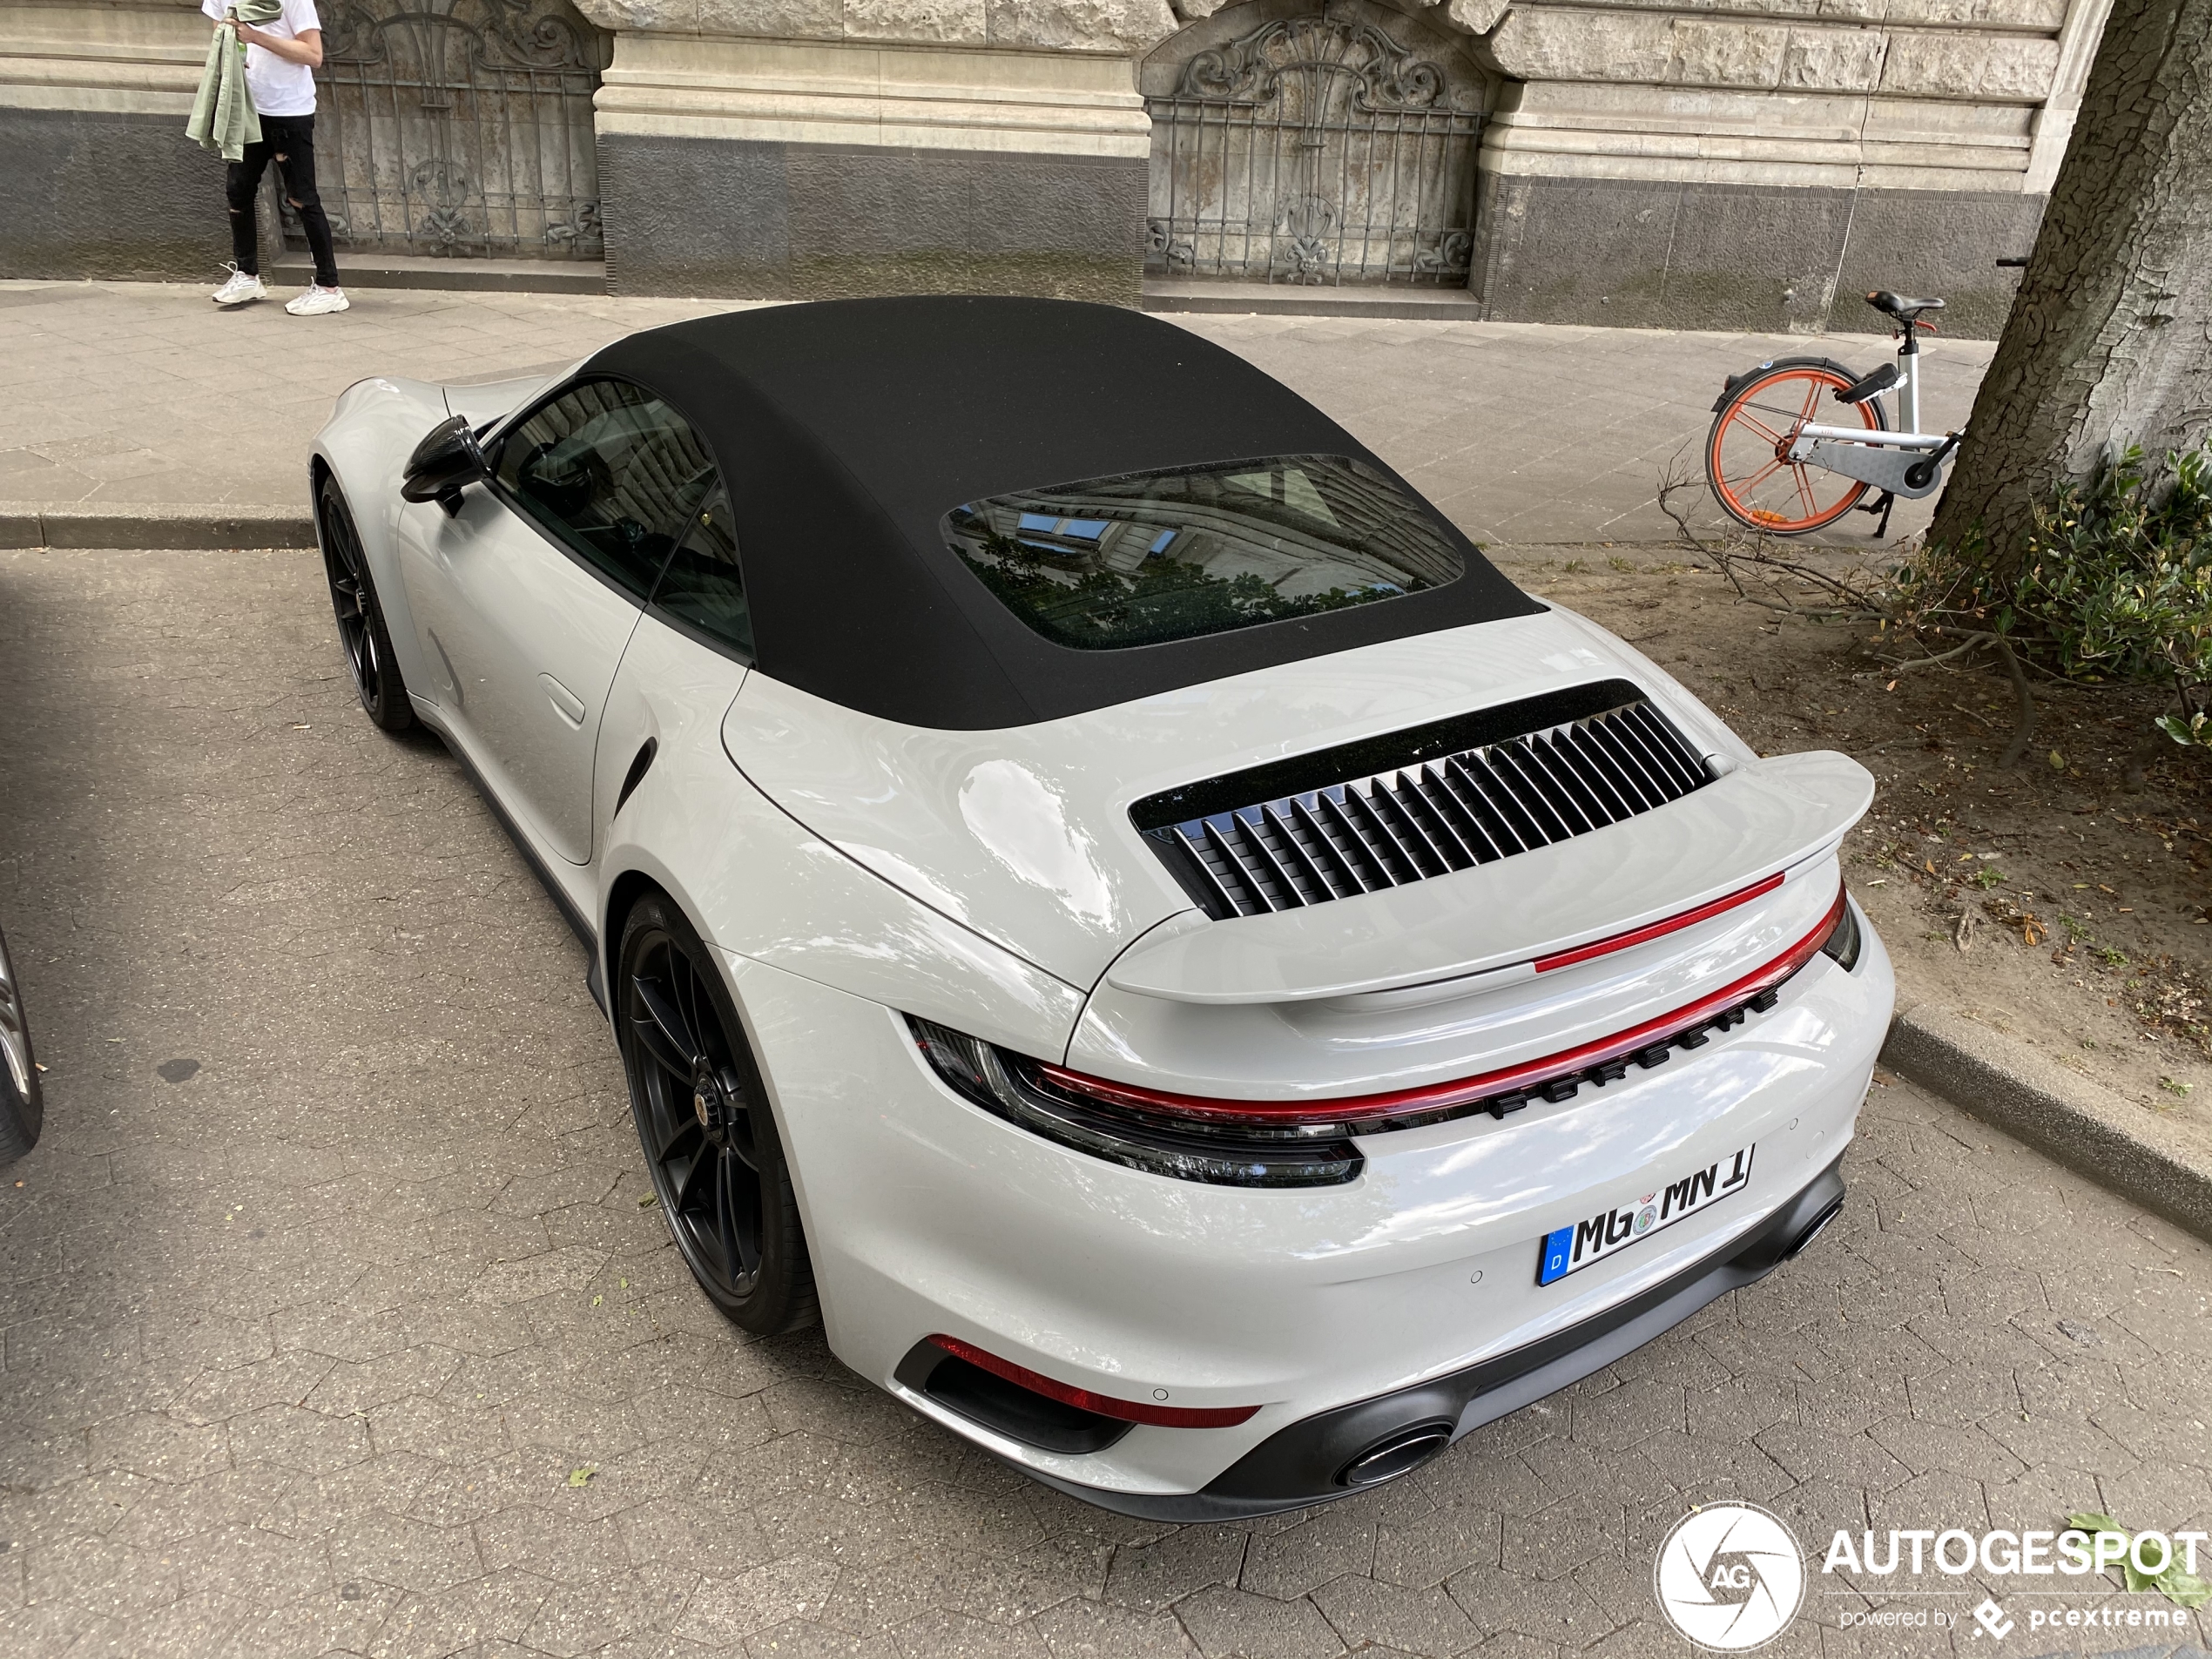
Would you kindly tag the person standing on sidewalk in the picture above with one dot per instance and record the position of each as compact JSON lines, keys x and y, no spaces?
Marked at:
{"x":281,"y":58}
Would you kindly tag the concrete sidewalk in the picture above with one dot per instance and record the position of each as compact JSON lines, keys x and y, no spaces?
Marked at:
{"x":141,"y":402}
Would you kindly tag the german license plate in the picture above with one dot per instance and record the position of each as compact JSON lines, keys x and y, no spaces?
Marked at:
{"x":1570,"y":1249}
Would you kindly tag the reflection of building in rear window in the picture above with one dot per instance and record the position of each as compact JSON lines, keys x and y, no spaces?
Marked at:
{"x":1145,"y":558}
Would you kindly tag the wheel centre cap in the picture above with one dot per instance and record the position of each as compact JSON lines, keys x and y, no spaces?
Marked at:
{"x":706,"y":1099}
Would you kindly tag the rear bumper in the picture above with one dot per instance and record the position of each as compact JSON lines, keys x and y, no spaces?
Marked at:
{"x":1305,"y":1463}
{"x":926,"y":1215}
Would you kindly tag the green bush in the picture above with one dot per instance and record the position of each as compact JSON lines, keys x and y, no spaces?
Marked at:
{"x":2114,"y":585}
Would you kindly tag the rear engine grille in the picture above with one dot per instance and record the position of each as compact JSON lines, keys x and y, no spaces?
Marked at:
{"x":1455,"y":794}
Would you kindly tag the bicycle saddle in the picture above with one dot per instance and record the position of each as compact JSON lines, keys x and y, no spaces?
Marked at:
{"x":1899,"y":306}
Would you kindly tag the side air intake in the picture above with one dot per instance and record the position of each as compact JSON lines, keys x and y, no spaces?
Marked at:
{"x":1420,"y":803}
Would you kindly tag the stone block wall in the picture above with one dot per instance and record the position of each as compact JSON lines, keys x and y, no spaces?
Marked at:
{"x":1761,"y":163}
{"x":771,"y":220}
{"x":100,"y":180}
{"x":1757,"y":164}
{"x":1728,"y":164}
{"x":1790,"y":259}
{"x":843,"y":164}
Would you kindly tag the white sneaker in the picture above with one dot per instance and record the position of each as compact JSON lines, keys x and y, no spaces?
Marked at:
{"x":241,"y":286}
{"x":318,"y":302}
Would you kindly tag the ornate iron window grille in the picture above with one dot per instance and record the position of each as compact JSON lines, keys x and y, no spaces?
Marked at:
{"x":459,"y":128}
{"x":1314,"y":150}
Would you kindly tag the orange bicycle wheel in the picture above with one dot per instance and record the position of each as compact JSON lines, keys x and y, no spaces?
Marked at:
{"x":1747,"y":456}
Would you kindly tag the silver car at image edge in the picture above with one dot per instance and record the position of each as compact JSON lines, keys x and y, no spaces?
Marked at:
{"x":1102,"y":894}
{"x":23,"y":1107}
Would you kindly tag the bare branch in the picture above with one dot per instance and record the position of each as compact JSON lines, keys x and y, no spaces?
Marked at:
{"x":1975,"y":643}
{"x":1854,"y":596}
{"x":1674,"y":478}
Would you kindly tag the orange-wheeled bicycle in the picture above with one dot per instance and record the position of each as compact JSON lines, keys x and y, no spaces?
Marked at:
{"x":1799,"y":441}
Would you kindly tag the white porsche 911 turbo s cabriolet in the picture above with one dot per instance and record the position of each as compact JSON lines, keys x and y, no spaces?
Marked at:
{"x":1216,"y":992}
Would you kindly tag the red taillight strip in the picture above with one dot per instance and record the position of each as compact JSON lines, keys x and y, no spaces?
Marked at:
{"x":1657,"y":929}
{"x":1437,"y":1097}
{"x":1124,"y":1410}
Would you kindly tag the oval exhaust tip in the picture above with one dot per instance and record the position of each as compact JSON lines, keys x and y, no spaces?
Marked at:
{"x":1396,"y":1455}
{"x":1819,"y":1225}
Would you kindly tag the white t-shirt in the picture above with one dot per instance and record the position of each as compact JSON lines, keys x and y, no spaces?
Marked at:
{"x":279,"y":86}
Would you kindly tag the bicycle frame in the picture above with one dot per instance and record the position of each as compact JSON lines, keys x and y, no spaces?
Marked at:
{"x":1906,"y":436}
{"x":1860,"y":435}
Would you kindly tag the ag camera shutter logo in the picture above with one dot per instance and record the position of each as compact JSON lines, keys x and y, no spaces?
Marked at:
{"x":1729,"y":1577}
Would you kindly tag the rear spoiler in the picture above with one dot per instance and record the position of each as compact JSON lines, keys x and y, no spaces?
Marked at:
{"x":1765,"y":819}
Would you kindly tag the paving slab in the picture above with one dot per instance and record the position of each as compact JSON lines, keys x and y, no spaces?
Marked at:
{"x":143,"y":398}
{"x":330,"y":1321}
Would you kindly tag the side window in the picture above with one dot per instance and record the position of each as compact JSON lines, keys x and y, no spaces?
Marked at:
{"x":701,"y":585}
{"x":610,"y":470}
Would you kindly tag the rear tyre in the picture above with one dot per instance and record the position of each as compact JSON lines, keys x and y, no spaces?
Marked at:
{"x":22,"y":1109}
{"x":1747,"y":452}
{"x":702,"y":1117}
{"x":361,"y":632}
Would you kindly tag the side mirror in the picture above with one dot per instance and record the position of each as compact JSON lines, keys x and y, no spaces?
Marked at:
{"x":447,"y":461}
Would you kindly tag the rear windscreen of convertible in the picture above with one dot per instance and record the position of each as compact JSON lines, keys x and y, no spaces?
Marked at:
{"x":1147,"y":556}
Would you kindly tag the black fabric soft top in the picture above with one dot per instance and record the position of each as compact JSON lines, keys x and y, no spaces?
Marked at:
{"x":846,"y":430}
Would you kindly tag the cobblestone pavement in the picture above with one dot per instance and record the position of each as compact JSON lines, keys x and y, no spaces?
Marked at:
{"x":333,"y":1322}
{"x":143,"y":395}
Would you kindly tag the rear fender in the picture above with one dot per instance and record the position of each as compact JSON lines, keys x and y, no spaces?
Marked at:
{"x":758,"y":883}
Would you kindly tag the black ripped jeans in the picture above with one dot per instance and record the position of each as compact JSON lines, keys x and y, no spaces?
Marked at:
{"x":288,"y":140}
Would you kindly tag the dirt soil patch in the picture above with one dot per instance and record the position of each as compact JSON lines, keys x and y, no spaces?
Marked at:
{"x":2050,"y":902}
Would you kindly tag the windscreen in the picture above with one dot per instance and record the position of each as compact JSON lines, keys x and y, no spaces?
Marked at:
{"x":1140,"y":558}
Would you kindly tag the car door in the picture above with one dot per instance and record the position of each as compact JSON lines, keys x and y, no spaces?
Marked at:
{"x":536,"y":585}
{"x":686,"y":661}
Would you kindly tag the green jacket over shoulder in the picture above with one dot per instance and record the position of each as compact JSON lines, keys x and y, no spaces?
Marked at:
{"x":222,"y":112}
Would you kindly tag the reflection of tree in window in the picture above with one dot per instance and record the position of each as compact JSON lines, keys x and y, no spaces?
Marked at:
{"x":702,"y":585}
{"x":1152,"y":556}
{"x":612,"y":471}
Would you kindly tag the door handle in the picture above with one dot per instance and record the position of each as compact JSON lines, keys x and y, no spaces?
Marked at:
{"x":570,"y":705}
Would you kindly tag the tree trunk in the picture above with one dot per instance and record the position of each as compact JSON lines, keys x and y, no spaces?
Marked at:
{"x":2109,"y":342}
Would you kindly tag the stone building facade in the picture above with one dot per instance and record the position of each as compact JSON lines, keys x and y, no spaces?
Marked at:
{"x":1751,"y":163}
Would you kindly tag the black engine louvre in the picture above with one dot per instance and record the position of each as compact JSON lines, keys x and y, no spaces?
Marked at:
{"x":1420,"y":803}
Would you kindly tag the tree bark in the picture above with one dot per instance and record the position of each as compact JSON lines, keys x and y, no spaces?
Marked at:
{"x":2109,"y":342}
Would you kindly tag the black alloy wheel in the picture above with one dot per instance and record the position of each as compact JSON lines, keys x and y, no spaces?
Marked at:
{"x":360,"y":619}
{"x":711,"y":1150}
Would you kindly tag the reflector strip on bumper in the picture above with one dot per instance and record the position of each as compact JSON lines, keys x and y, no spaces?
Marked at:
{"x":1128,"y":1411}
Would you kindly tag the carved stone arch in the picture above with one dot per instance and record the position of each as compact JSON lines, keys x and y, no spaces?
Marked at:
{"x":1328,"y":144}
{"x":460,"y":127}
